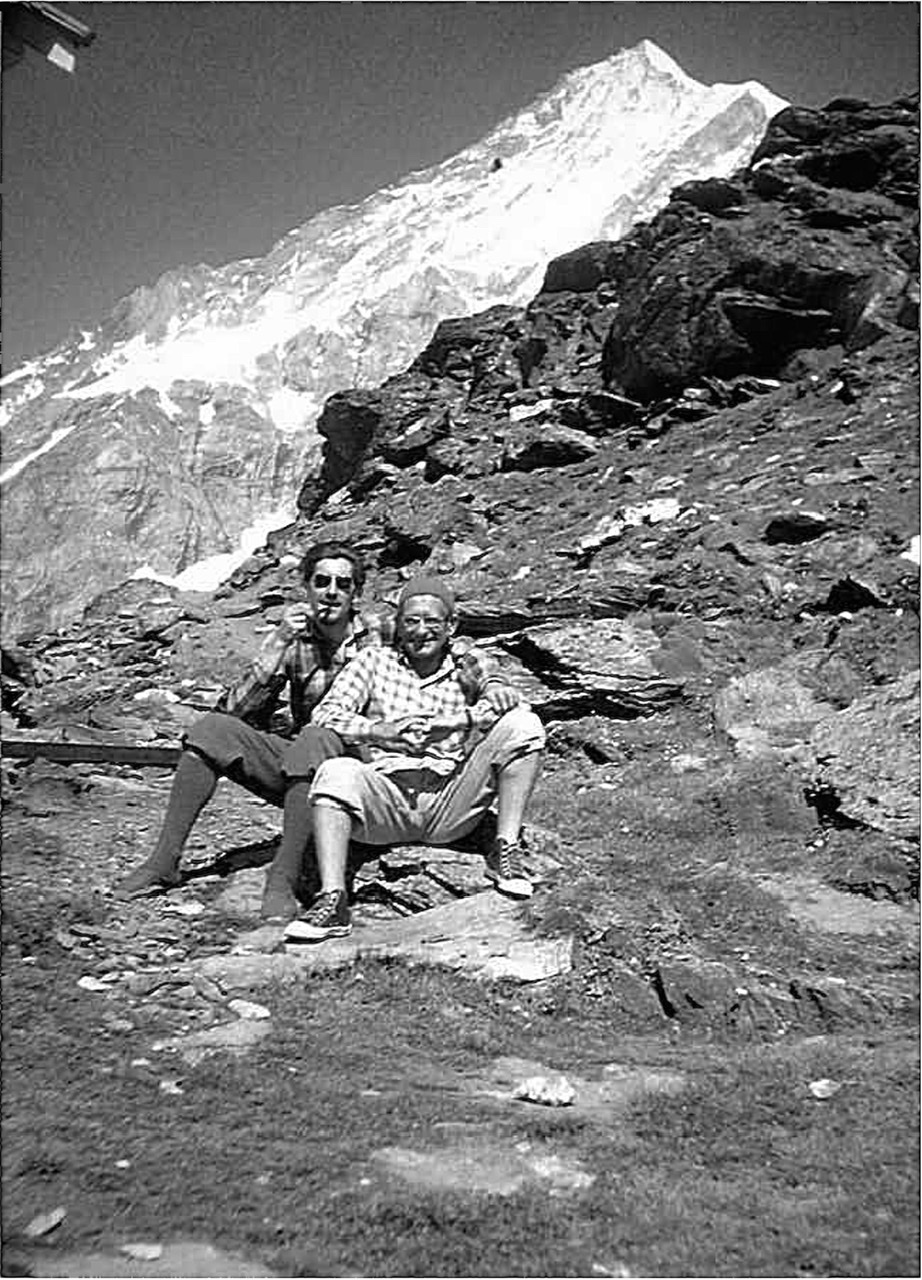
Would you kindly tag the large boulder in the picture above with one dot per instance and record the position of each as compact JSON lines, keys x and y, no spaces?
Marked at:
{"x":820,"y":250}
{"x":850,"y":144}
{"x":769,"y":713}
{"x":583,"y":269}
{"x":719,"y":299}
{"x":867,"y":758}
{"x":577,"y":668}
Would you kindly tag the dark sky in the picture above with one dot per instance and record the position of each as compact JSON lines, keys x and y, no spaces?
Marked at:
{"x":202,"y":132}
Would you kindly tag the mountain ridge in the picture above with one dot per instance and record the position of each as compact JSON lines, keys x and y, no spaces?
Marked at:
{"x":230,"y":367}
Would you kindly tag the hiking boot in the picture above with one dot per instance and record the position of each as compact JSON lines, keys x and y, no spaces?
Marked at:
{"x":148,"y":880}
{"x":279,"y":902}
{"x":329,"y":917}
{"x":504,"y":868}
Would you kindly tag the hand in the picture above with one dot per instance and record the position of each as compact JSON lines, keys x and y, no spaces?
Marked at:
{"x":295,"y":620}
{"x":501,"y":697}
{"x":409,"y":734}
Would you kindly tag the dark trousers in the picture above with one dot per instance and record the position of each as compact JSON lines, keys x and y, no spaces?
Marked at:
{"x":264,"y":763}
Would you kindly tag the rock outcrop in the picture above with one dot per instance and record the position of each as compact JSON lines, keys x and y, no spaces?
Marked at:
{"x":867,"y":759}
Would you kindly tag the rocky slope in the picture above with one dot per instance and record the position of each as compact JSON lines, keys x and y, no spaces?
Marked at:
{"x":157,"y":438}
{"x":677,"y":495}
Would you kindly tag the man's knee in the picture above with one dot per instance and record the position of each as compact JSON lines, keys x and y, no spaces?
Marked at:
{"x":518,"y":731}
{"x":213,"y":736}
{"x":310,"y":749}
{"x":338,"y":779}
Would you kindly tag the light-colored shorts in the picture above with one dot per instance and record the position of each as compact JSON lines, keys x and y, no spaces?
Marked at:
{"x":420,"y":806}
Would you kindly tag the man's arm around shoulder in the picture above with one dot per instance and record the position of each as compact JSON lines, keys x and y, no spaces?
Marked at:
{"x":347,"y":698}
{"x":486,"y":689}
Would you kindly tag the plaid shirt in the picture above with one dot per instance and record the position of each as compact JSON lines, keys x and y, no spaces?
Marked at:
{"x":380,"y":686}
{"x":307,"y":664}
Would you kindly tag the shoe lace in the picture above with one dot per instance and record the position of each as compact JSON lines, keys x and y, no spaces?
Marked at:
{"x":324,"y":907}
{"x":510,"y":868}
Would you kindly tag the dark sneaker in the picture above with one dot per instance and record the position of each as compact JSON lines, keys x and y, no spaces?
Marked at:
{"x":146,"y":881}
{"x":279,"y":902}
{"x":504,"y":868}
{"x":329,"y":917}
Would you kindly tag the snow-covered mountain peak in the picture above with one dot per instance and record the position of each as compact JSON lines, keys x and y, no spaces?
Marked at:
{"x":660,"y":60}
{"x":467,"y":233}
{"x":350,"y":296}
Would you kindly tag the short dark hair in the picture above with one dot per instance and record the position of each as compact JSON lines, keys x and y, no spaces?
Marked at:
{"x":333,"y":551}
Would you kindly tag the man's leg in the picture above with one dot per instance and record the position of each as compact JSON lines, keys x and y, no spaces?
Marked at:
{"x":502,"y":766}
{"x":193,"y":786}
{"x":332,"y":833}
{"x":515,"y":782}
{"x":216,"y":746}
{"x":312,"y":746}
{"x":329,"y":916}
{"x":350,"y":800}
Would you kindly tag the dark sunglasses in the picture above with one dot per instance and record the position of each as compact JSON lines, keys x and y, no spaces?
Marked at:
{"x":321,"y":580}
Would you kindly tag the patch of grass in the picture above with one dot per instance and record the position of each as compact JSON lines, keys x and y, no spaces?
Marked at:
{"x":745,"y":1173}
{"x":791,"y":1185}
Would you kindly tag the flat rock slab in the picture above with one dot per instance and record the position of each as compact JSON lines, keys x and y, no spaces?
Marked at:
{"x":182,"y":1258}
{"x":243,"y":894}
{"x":226,"y":1037}
{"x":811,"y":902}
{"x":484,"y":936}
{"x":400,"y":879}
{"x":493,"y":1167}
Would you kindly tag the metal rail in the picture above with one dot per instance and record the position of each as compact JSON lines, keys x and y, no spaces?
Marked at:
{"x":89,"y":752}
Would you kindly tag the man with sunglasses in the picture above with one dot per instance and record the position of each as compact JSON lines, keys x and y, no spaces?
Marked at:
{"x":439,"y":735}
{"x":307,"y":650}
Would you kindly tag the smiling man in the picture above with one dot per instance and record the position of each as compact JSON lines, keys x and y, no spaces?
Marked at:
{"x":307,"y":650}
{"x":441,"y":736}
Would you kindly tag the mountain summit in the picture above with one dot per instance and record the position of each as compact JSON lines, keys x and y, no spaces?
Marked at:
{"x":181,"y":427}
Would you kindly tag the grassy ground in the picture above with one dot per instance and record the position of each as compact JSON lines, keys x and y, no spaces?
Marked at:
{"x":743,"y":1173}
{"x":276,"y":1155}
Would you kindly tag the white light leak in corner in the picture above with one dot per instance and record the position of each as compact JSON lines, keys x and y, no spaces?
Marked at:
{"x":61,"y":57}
{"x":208,"y":574}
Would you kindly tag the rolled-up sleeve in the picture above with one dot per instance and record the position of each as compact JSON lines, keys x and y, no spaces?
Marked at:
{"x":255,"y":695}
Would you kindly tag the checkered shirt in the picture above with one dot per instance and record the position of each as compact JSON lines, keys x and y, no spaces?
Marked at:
{"x":307,"y":664}
{"x":380,"y":686}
